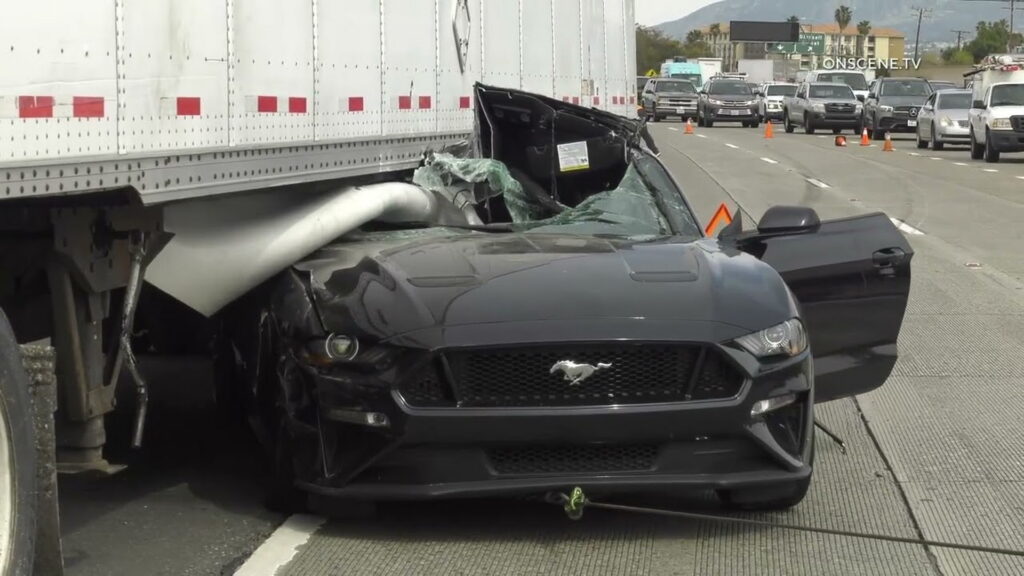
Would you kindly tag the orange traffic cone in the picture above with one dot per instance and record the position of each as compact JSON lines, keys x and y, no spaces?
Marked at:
{"x":768,"y":130}
{"x":689,"y":127}
{"x":840,"y":140}
{"x":864,"y":138}
{"x":888,"y":143}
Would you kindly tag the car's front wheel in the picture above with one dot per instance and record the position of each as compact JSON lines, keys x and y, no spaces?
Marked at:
{"x":808,"y":126}
{"x":977,"y":150}
{"x":921,"y":143}
{"x":936,"y":143}
{"x":991,"y":154}
{"x":787,"y":124}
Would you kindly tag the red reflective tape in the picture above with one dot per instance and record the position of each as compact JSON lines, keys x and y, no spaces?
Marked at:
{"x":424,"y":103}
{"x":597,"y":100}
{"x":565,"y":98}
{"x":575,"y":99}
{"x":632,"y":99}
{"x":266,"y":103}
{"x":296,"y":105}
{"x":404,"y":102}
{"x":87,"y":107}
{"x":464,"y":102}
{"x":35,"y":106}
{"x":355,"y":104}
{"x":188,"y":106}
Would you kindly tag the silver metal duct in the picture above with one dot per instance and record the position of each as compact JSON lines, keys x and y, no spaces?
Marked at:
{"x":223,"y":248}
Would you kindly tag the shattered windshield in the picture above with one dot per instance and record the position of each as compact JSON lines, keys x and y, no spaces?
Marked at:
{"x":639,"y":206}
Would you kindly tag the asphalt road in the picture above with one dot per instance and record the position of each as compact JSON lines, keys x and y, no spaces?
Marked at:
{"x":935,"y":453}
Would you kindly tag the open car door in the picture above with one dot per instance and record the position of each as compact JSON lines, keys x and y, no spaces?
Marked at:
{"x":852,"y":279}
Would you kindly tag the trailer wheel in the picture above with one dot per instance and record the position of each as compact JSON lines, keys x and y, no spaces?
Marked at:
{"x":17,"y":461}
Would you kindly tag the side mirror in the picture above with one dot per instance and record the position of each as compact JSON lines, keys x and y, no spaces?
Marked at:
{"x":978,"y":104}
{"x":861,"y":97}
{"x":788,"y":220}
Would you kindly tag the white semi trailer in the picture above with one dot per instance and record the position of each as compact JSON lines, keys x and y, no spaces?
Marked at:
{"x":120,"y":120}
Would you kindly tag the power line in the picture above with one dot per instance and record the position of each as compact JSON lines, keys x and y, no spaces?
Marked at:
{"x":920,"y":16}
{"x":959,"y":37}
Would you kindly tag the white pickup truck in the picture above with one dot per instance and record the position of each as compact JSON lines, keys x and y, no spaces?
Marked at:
{"x":997,"y":107}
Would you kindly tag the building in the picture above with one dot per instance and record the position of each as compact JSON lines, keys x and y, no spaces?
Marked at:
{"x":881,"y":43}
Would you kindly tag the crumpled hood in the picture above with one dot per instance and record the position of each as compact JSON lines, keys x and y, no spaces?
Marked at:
{"x":388,"y":288}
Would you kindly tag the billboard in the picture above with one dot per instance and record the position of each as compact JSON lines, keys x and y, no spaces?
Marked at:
{"x":752,"y":31}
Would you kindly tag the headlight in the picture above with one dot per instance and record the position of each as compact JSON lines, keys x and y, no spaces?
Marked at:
{"x":1000,"y":124}
{"x":786,"y":339}
{"x":767,"y":405}
{"x":858,"y":108}
{"x":715,"y":102}
{"x":818,"y":107}
{"x":885,"y":108}
{"x":946,"y":121}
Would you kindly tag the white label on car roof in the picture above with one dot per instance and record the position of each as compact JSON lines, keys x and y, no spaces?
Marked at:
{"x":573,"y":156}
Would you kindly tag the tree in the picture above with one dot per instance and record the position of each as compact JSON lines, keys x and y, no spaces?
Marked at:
{"x":793,"y":19}
{"x":653,"y":48}
{"x":863,"y":31}
{"x":715,"y":29}
{"x":843,"y":16}
{"x":991,"y":38}
{"x":957,"y":57}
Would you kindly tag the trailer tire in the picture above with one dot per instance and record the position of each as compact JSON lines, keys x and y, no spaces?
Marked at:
{"x":17,"y":460}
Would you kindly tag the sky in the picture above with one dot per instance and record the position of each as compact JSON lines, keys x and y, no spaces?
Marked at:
{"x":651,"y":12}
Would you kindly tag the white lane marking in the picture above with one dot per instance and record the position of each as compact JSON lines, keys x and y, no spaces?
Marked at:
{"x":959,"y":163}
{"x":1020,"y":177}
{"x":770,"y":161}
{"x":281,"y":547}
{"x":701,"y":136}
{"x":817,"y":182}
{"x":913,"y":153}
{"x":732,"y":146}
{"x":991,"y":170}
{"x":935,"y":158}
{"x":822,"y":136}
{"x":673,"y":129}
{"x":906,"y":227}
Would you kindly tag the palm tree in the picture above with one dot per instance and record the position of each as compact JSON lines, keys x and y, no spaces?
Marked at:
{"x":843,"y":17}
{"x":715,"y":29}
{"x":863,"y":30}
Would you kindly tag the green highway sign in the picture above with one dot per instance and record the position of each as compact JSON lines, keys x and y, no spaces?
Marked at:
{"x":808,"y":44}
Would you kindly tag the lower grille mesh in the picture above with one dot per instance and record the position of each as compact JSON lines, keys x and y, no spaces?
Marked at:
{"x":572,"y":459}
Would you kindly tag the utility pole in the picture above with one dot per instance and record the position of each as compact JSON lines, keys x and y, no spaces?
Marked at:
{"x":959,"y":36}
{"x":920,"y":16}
{"x":1013,"y":9}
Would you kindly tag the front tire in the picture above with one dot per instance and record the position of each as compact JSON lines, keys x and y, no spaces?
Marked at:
{"x":921,"y":143}
{"x":977,"y":150}
{"x":936,"y":143}
{"x":808,"y":126}
{"x":17,"y":460}
{"x":787,"y":124}
{"x":991,"y":155}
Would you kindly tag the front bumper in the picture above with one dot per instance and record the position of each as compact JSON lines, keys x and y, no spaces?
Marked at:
{"x":774,"y":113}
{"x":952,"y":133}
{"x":1007,"y":140}
{"x":462,"y":452}
{"x":891,"y":123}
{"x":731,"y":113}
{"x":686,"y":110}
{"x":834,"y":120}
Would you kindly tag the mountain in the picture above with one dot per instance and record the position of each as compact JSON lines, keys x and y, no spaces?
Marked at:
{"x":946,"y":15}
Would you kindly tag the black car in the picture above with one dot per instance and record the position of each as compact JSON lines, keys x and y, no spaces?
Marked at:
{"x":892,"y":105}
{"x":727,"y":100}
{"x":582,"y":332}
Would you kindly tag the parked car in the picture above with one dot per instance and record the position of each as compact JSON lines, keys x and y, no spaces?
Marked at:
{"x":725,"y":99}
{"x":667,"y":97}
{"x":770,"y":97}
{"x":822,"y":105}
{"x":944,"y":85}
{"x":595,"y":337}
{"x":943,"y":119}
{"x":893,"y":104}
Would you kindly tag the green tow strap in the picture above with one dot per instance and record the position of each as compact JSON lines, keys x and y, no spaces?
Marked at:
{"x":575,"y":503}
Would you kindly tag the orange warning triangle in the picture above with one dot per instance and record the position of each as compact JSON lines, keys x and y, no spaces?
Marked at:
{"x":722,"y":214}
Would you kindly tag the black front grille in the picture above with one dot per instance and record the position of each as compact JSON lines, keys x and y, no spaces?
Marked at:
{"x":839,"y":108}
{"x":1018,"y":123}
{"x":906,"y":111}
{"x":625,"y":374}
{"x":572,"y":459}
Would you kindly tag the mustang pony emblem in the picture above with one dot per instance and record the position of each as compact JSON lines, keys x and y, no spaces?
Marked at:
{"x":576,"y":373}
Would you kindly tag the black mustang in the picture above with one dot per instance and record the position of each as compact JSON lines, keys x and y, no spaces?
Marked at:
{"x":582,"y":332}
